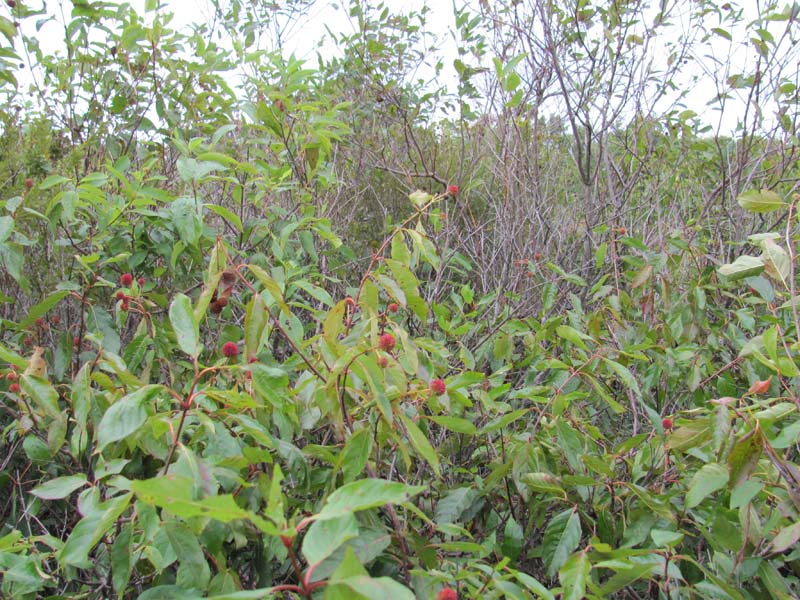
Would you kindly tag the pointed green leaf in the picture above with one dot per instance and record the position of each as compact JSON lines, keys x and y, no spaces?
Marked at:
{"x":366,"y":493}
{"x":561,"y":537}
{"x":323,"y":538}
{"x":126,"y":416}
{"x":574,"y":575}
{"x":60,"y":487}
{"x":183,"y":323}
{"x":756,"y":201}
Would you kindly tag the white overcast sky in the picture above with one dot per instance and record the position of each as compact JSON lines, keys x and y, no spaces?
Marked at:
{"x":304,"y":35}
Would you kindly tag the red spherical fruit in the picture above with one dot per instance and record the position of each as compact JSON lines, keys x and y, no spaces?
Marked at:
{"x":29,"y":183}
{"x":438,"y":387}
{"x":230,"y":349}
{"x":622,"y":230}
{"x":383,"y":362}
{"x":349,"y":302}
{"x":11,"y":376}
{"x":393,"y":308}
{"x":40,"y":322}
{"x":666,"y":423}
{"x":452,"y":190}
{"x":140,"y":281}
{"x":537,"y":256}
{"x":55,"y":319}
{"x":76,"y":341}
{"x":386,"y":342}
{"x":126,"y":279}
{"x":447,"y":594}
{"x":124,"y":306}
{"x":14,"y":388}
{"x":121,"y":295}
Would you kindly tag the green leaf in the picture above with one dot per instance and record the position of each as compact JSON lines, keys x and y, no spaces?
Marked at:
{"x":419,"y":198}
{"x":41,"y":309}
{"x":52,"y":181}
{"x":271,"y":286}
{"x":626,"y":576}
{"x":183,"y":323}
{"x":364,"y":586}
{"x":744,"y":456}
{"x":421,"y":444}
{"x":216,"y":266}
{"x":126,"y":416}
{"x":786,"y":538}
{"x":231,"y":217}
{"x":744,"y":266}
{"x":366,"y":493}
{"x":665,"y":538}
{"x":355,"y":455}
{"x":544,"y":482}
{"x":561,"y":537}
{"x":705,"y":482}
{"x":760,"y":201}
{"x":324,"y":537}
{"x":193,"y":571}
{"x":777,"y":587}
{"x":456,"y":424}
{"x":187,"y":218}
{"x":43,"y":394}
{"x":122,"y":559}
{"x":574,"y":575}
{"x":513,"y":538}
{"x":89,"y":530}
{"x":175,"y":493}
{"x":60,"y":487}
{"x":271,"y":383}
{"x":572,"y":335}
{"x":453,"y":503}
{"x":625,"y":375}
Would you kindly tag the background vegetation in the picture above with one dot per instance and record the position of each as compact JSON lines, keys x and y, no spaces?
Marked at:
{"x":271,"y":328}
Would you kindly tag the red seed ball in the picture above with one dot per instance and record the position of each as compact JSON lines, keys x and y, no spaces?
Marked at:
{"x":14,"y":388}
{"x":125,"y":279}
{"x":666,"y":423}
{"x":386,"y":342}
{"x":452,"y":190}
{"x":447,"y":594}
{"x":393,"y":308}
{"x":438,"y":387}
{"x":230,"y":349}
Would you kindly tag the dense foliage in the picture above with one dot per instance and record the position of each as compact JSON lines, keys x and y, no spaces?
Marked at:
{"x":270,"y":329}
